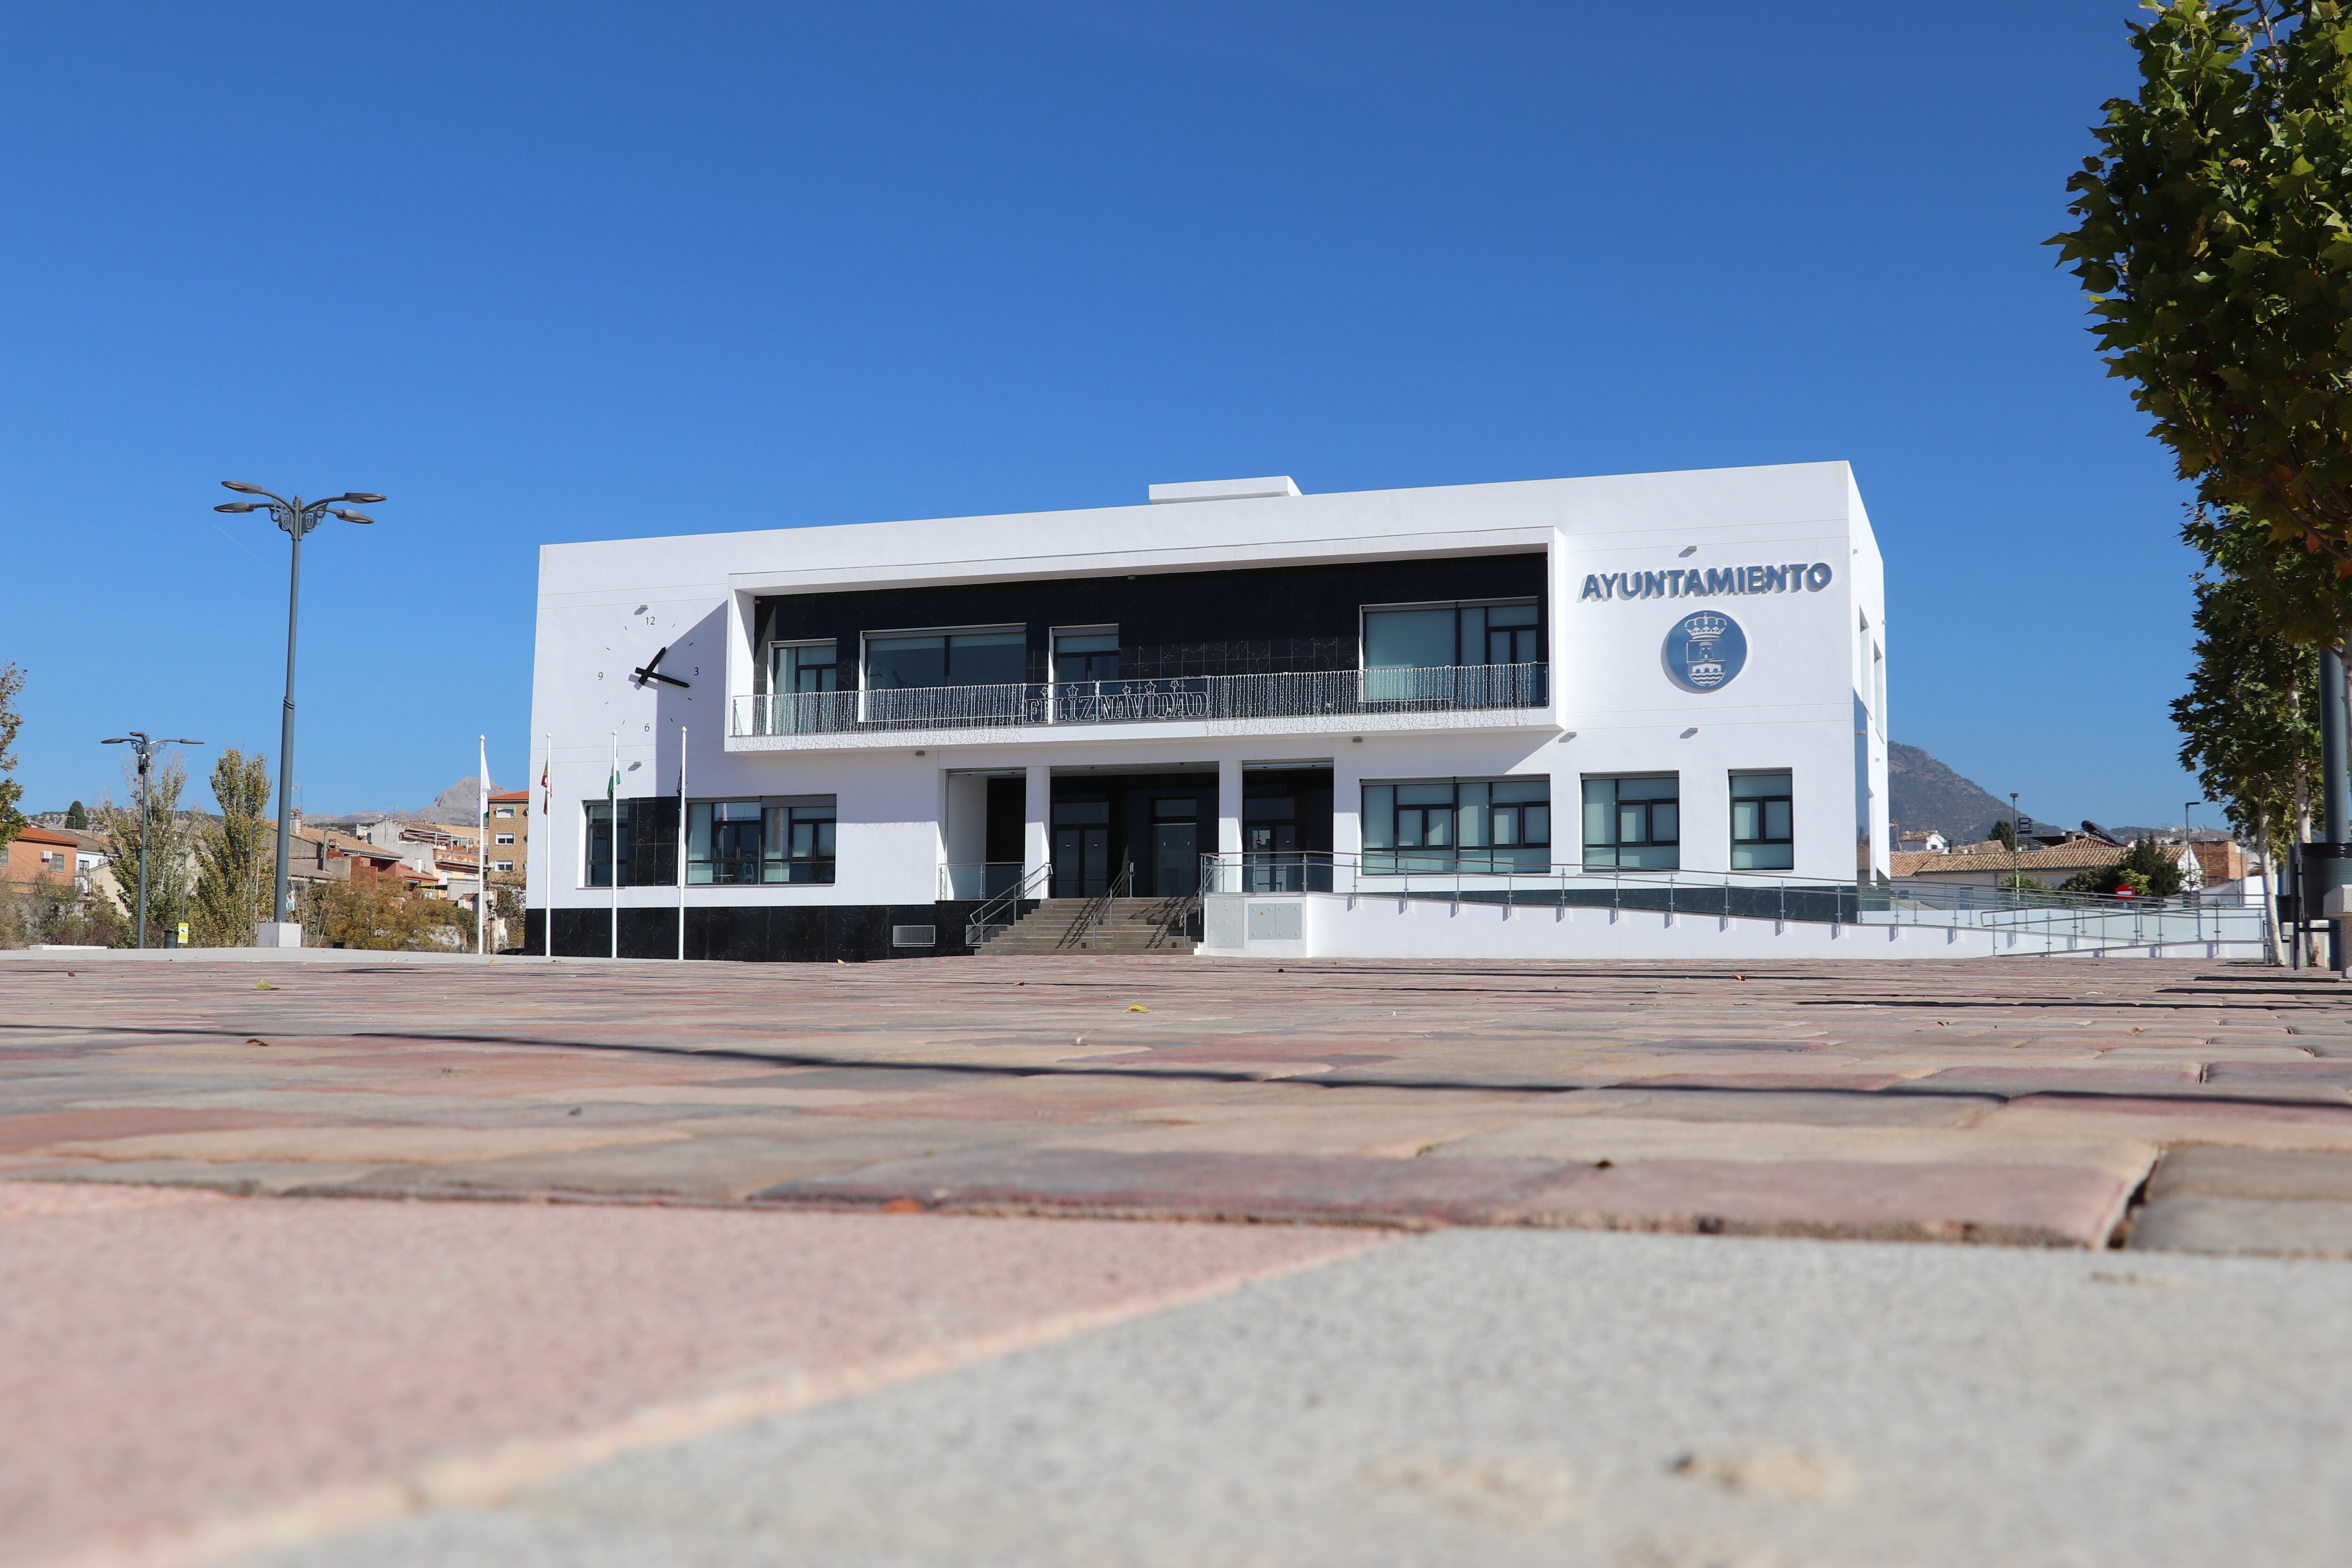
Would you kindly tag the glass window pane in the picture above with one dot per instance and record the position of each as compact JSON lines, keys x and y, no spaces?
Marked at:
{"x":1746,"y":821}
{"x":1440,"y":829}
{"x":1753,"y":784}
{"x":1629,"y":826}
{"x":1535,"y":825}
{"x":988,"y":658}
{"x":1777,"y":820}
{"x":1426,"y":794}
{"x":1523,"y":789}
{"x":1666,"y":822}
{"x":895,"y":663}
{"x":1668,"y":788}
{"x":1474,"y":634}
{"x":1511,"y":615}
{"x":1404,"y":639}
{"x":1470,"y":800}
{"x":1600,"y":811}
{"x":1411,"y":825}
{"x":1379,"y":816}
{"x":1087,"y":642}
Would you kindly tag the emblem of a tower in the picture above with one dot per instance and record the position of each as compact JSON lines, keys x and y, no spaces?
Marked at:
{"x":1703,"y":652}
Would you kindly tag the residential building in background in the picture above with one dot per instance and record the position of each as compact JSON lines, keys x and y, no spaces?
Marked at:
{"x":510,"y":846}
{"x":40,"y":854}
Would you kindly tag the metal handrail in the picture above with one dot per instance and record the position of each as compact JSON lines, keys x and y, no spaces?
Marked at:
{"x":1097,"y":911}
{"x":2083,"y":922}
{"x":975,"y":927}
{"x":1296,"y":694}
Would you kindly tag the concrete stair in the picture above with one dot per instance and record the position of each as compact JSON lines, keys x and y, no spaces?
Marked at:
{"x":1146,"y":926}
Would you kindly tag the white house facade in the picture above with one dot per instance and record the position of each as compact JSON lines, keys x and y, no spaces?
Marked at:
{"x":1313,"y":713}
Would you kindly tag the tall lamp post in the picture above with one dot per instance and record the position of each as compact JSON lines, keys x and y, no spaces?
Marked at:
{"x":139,"y":741}
{"x":297,"y":518}
{"x":2013,"y":845}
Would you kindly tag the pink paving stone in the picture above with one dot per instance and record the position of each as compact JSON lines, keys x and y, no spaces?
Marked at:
{"x":41,"y":1129}
{"x":188,"y":1356}
{"x":2057,"y":1206}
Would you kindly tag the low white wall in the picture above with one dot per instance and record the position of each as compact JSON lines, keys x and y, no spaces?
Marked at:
{"x":1335,"y":925}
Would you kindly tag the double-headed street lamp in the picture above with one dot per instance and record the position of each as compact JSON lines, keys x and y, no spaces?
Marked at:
{"x":139,"y":741}
{"x":297,"y":517}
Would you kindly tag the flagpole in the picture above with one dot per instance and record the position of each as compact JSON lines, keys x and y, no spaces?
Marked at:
{"x":613,"y":807}
{"x":681,"y":844}
{"x":546,"y":810}
{"x":482,"y":851}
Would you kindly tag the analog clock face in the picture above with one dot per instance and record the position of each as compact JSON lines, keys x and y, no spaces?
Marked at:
{"x":653,"y":670}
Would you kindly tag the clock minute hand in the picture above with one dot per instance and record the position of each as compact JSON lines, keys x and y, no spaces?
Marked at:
{"x":654,"y":675}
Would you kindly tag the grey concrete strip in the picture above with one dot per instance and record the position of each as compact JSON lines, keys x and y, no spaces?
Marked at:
{"x":2290,"y":1228}
{"x":1514,"y":1397}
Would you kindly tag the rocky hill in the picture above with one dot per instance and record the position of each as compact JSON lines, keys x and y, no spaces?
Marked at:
{"x":1923,"y":795}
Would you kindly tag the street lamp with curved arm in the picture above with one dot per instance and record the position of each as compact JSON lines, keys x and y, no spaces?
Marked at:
{"x":296,"y":516}
{"x":145,"y":746}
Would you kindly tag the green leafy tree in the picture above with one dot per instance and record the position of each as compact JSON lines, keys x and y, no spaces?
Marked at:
{"x":2003,"y":832}
{"x":170,"y":837}
{"x":2212,"y":239}
{"x":236,"y":855}
{"x":2249,"y":722}
{"x":12,"y":821}
{"x":77,"y":817}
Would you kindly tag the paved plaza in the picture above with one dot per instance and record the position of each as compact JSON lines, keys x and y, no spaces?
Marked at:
{"x":842,"y":1263}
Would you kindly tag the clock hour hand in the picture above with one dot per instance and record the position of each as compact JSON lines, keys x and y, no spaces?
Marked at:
{"x":651,"y":669}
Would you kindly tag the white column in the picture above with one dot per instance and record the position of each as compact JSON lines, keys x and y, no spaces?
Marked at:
{"x":1036,"y":842}
{"x":1229,"y":806}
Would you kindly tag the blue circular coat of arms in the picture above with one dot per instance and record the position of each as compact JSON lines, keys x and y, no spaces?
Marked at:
{"x":1705,"y":652}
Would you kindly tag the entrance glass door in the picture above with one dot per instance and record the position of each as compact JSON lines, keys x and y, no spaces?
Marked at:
{"x":1081,"y":848}
{"x":1274,"y":865}
{"x":1175,"y":858}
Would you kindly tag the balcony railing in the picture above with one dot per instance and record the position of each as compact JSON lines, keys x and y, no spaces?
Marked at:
{"x":1333,"y":693}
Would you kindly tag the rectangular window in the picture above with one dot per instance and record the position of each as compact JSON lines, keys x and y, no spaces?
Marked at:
{"x":723,"y":844}
{"x":503,"y":811}
{"x":1090,"y":655}
{"x":504,"y":866}
{"x":1763,"y":823}
{"x":647,"y":842}
{"x":794,"y":668}
{"x":1634,"y":823}
{"x":506,"y":838}
{"x":1412,"y":654}
{"x":1457,"y":825}
{"x":1429,"y":636}
{"x":800,"y":841}
{"x":994,"y":658}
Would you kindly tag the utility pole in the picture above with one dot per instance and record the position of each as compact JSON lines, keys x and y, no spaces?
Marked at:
{"x":2013,"y":820}
{"x":2330,"y":854}
{"x":138,"y":741}
{"x":297,"y":518}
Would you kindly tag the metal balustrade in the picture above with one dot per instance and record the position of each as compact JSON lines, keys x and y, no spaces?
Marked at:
{"x":2029,"y":920}
{"x":1336,"y":693}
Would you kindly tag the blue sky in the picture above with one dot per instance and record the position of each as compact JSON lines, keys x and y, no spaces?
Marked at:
{"x":545,"y":273}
